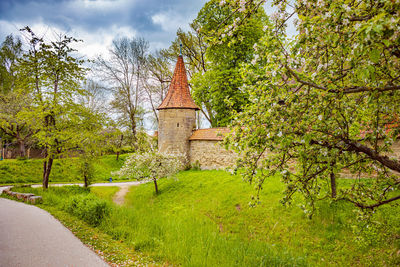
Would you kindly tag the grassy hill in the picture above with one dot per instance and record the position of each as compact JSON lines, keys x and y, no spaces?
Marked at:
{"x":64,"y":170}
{"x":202,"y":218}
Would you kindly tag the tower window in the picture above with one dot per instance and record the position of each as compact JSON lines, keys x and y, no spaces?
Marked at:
{"x":177,"y":125}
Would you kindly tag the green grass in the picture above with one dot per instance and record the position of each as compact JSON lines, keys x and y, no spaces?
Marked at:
{"x":202,"y":218}
{"x":105,"y":192}
{"x":14,"y":171}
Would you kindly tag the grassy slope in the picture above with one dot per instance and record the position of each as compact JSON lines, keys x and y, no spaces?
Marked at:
{"x":64,"y":170}
{"x":200,"y":208}
{"x":201,"y":218}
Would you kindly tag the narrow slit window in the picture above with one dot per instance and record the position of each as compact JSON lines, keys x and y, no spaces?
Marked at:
{"x":177,"y":125}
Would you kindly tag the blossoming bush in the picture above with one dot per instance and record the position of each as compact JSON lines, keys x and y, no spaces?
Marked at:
{"x":151,"y":165}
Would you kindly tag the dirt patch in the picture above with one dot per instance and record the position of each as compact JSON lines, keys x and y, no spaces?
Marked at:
{"x":119,"y":197}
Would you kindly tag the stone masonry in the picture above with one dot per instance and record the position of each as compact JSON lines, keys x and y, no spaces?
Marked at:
{"x":210,"y":154}
{"x":175,"y":128}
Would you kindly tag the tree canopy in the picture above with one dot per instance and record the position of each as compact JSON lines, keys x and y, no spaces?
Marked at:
{"x":325,"y":103}
{"x":217,"y":87}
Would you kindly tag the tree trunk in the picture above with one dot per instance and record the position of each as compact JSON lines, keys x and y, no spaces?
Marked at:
{"x":46,"y":171}
{"x":119,"y":146}
{"x":155,"y":185}
{"x":86,"y":180}
{"x":333,"y":185}
{"x":22,"y":150}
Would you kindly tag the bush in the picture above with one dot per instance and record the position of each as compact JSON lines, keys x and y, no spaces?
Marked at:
{"x":88,"y":208}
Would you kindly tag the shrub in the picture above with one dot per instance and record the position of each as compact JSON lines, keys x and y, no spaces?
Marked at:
{"x":88,"y":208}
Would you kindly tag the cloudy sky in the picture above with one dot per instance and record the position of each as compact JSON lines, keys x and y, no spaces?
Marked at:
{"x":98,"y":22}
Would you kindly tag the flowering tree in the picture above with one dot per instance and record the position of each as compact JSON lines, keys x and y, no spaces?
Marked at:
{"x":324,"y":103}
{"x":150,"y":165}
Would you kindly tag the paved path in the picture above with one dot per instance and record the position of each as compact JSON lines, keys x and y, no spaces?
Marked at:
{"x":119,"y":184}
{"x":30,"y":236}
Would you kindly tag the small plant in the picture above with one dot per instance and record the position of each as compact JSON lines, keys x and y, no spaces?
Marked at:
{"x":196,"y":166}
{"x":151,"y":165}
{"x":86,"y":167}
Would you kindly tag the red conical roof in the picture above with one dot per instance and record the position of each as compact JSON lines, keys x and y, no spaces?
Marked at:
{"x":178,"y":95}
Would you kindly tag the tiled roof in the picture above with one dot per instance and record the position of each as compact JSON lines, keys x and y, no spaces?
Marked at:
{"x":178,"y":95}
{"x":216,"y":134}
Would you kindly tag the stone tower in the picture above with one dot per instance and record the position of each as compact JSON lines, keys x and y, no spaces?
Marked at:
{"x":177,"y":115}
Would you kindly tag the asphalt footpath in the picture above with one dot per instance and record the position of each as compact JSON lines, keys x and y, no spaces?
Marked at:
{"x":30,"y":236}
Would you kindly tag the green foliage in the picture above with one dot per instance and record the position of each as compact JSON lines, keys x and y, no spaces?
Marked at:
{"x":52,"y":75}
{"x":88,"y":208}
{"x":324,"y":103}
{"x":75,"y":200}
{"x":217,"y":88}
{"x":13,"y":99}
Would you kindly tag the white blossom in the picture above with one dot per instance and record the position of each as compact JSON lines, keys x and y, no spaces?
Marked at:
{"x":346,"y":7}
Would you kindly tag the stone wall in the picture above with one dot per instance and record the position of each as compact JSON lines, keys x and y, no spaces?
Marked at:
{"x":209,"y":154}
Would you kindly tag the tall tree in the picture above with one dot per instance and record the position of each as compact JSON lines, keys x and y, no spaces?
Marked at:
{"x":53,"y":75}
{"x":217,"y":85}
{"x":124,"y":71}
{"x":326,"y":102}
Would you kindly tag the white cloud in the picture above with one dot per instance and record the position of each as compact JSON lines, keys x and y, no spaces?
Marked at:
{"x":94,"y":42}
{"x":170,"y":21}
{"x":99,"y":5}
{"x":98,"y":42}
